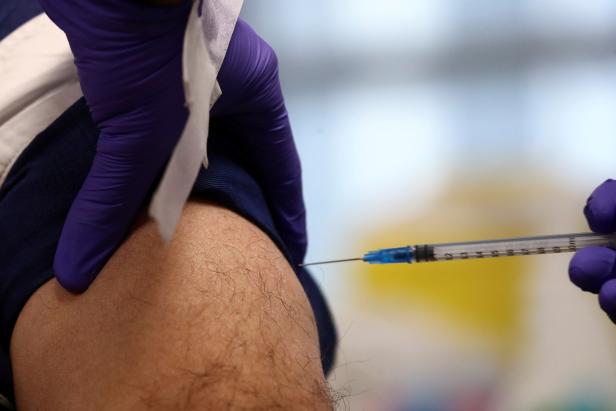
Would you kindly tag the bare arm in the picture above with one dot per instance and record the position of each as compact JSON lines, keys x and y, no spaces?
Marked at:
{"x":217,"y":320}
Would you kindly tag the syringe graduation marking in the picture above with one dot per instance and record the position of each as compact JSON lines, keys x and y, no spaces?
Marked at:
{"x":569,"y":243}
{"x":496,"y":253}
{"x":572,"y":244}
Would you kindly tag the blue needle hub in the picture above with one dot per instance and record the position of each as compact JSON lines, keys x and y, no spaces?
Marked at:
{"x":389,"y":255}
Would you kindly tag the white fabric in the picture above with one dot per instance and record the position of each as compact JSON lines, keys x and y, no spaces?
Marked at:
{"x":207,"y":37}
{"x":40,"y":82}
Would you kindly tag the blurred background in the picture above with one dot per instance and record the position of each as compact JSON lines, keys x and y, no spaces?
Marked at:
{"x":437,"y":121}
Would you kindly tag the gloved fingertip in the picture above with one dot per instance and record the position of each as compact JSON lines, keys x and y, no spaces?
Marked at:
{"x":600,"y":209}
{"x":599,"y":220}
{"x":607,"y":299}
{"x":69,"y":265}
{"x":71,"y":280}
{"x":591,"y":267}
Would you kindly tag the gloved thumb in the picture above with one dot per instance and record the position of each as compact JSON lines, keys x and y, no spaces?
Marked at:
{"x":129,"y":59}
{"x":132,"y":150}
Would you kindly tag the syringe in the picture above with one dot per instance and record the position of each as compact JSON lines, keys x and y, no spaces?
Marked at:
{"x":549,"y":244}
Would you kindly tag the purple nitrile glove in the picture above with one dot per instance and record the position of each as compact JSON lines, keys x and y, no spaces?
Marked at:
{"x":252,"y":102}
{"x":593,"y":269}
{"x":129,"y":60}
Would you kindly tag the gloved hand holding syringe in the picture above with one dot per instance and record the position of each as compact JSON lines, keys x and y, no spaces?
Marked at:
{"x":549,"y":244}
{"x":592,"y":268}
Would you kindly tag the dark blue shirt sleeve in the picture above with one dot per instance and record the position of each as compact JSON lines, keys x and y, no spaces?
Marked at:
{"x":14,"y":13}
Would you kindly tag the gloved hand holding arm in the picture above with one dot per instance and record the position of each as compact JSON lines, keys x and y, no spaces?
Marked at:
{"x":593,"y":269}
{"x":129,"y":59}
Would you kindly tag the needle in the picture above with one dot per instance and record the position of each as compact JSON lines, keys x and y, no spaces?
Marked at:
{"x":330,"y":262}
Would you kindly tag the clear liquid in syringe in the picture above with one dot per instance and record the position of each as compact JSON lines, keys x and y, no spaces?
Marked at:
{"x":516,"y":246}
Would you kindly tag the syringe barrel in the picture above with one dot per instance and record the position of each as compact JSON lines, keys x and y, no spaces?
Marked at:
{"x":511,"y":247}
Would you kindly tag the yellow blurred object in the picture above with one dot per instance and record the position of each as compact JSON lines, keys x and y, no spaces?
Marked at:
{"x":484,"y":295}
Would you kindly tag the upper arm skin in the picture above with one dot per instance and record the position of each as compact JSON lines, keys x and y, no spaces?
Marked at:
{"x":215,"y":320}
